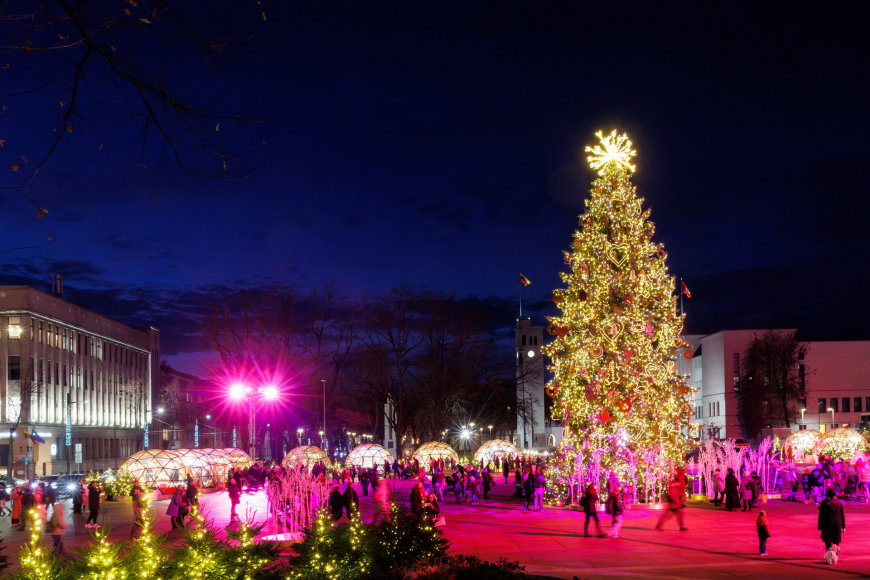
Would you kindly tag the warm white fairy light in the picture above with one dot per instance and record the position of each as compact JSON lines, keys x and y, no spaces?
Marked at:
{"x":613,"y":149}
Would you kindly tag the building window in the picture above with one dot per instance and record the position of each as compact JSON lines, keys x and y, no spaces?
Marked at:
{"x":846,"y":404}
{"x":524,"y":340}
{"x":802,"y":377}
{"x":63,"y":339}
{"x":823,"y":408}
{"x":14,"y":327}
{"x":14,"y":366}
{"x":39,"y":334}
{"x":856,"y":403}
{"x":835,"y":405}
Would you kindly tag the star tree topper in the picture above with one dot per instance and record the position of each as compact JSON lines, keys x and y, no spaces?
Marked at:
{"x":613,"y":149}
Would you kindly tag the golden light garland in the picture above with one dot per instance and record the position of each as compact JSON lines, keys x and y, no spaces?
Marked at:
{"x":614,"y":353}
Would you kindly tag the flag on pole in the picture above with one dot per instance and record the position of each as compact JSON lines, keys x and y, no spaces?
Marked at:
{"x":36,"y":438}
{"x":686,"y":290}
{"x":523,"y":280}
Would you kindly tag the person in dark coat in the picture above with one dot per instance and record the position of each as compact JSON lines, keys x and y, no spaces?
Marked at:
{"x":336,"y":503}
{"x":732,"y":490}
{"x":417,"y":499}
{"x":234,"y":490}
{"x":590,"y":508}
{"x":78,"y":496}
{"x":350,"y":500}
{"x":93,"y":505}
{"x":832,"y":520}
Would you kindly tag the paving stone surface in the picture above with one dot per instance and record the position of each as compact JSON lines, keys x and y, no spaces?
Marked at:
{"x":551,"y":543}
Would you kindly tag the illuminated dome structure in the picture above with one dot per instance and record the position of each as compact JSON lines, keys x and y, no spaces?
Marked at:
{"x":495,"y":448}
{"x":198,"y":465}
{"x":368,"y":455}
{"x":307,"y":455}
{"x":239,"y":458}
{"x":840,"y":444}
{"x":435,"y":450}
{"x":155,"y":467}
{"x":800,"y":443}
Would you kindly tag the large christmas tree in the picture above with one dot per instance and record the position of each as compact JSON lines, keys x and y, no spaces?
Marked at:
{"x":616,"y":384}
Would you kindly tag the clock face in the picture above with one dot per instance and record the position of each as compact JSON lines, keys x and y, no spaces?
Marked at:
{"x":531,"y":353}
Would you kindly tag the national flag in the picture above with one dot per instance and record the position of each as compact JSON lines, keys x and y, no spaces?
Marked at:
{"x":523,"y":280}
{"x":36,"y":438}
{"x":686,"y":290}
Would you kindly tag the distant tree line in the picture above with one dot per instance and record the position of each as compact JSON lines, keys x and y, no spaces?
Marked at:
{"x":427,"y":354}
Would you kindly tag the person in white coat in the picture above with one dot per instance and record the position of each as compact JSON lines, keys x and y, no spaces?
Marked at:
{"x":56,"y":527}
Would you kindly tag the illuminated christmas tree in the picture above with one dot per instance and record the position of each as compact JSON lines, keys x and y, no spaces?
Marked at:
{"x":616,"y":384}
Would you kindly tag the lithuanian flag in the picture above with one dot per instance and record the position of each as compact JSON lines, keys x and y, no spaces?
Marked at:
{"x":523,"y":280}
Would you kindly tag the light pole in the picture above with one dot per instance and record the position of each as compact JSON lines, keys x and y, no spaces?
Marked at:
{"x":833,"y":425}
{"x":299,"y":435}
{"x":803,"y":411}
{"x":490,"y":432}
{"x":323,"y":382}
{"x":251,"y":396}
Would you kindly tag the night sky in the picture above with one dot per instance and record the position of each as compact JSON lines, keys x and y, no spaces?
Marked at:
{"x":441,"y":146}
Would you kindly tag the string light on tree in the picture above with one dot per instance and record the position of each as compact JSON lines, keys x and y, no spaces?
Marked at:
{"x":613,"y":358}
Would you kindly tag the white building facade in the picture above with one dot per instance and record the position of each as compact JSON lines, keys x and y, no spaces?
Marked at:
{"x":81,"y":381}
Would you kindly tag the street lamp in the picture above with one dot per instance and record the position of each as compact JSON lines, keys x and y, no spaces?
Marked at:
{"x":802,"y":415}
{"x":299,"y":435}
{"x":833,"y":425}
{"x":240,"y":392}
{"x":490,"y":432}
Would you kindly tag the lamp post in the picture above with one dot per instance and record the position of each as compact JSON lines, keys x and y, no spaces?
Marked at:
{"x":299,"y":435}
{"x":490,"y":432}
{"x":833,"y":425}
{"x":323,"y":382}
{"x":251,"y":396}
{"x":803,"y":411}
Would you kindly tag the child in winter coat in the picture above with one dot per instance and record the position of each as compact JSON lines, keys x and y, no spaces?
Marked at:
{"x":763,"y":532}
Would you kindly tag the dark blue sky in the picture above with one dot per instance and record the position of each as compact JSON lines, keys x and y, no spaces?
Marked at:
{"x":385,"y":143}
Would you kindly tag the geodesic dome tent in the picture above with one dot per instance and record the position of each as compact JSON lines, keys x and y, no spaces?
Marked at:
{"x":800,"y":443}
{"x":199,"y":465}
{"x":435,"y":450}
{"x":840,"y":444}
{"x":368,"y":455}
{"x":307,"y":455}
{"x":239,"y":458}
{"x":155,"y":467}
{"x":494,"y":448}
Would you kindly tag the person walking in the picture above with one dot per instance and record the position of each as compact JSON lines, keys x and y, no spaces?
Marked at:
{"x":615,"y":509}
{"x":417,"y":496}
{"x":78,"y":497}
{"x":364,"y":481}
{"x":732,"y":491}
{"x":15,"y":514}
{"x":505,"y":470}
{"x":56,"y":527}
{"x":93,"y":505}
{"x":832,"y":520}
{"x":350,"y":499}
{"x":528,"y":491}
{"x":234,"y":490}
{"x":540,"y":486}
{"x":747,"y":491}
{"x":4,"y":497}
{"x":138,"y":503}
{"x":676,"y":502}
{"x":590,"y":508}
{"x":763,"y":530}
{"x":191,"y":494}
{"x":487,"y":483}
{"x":26,"y":505}
{"x":176,"y":509}
{"x":718,"y":487}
